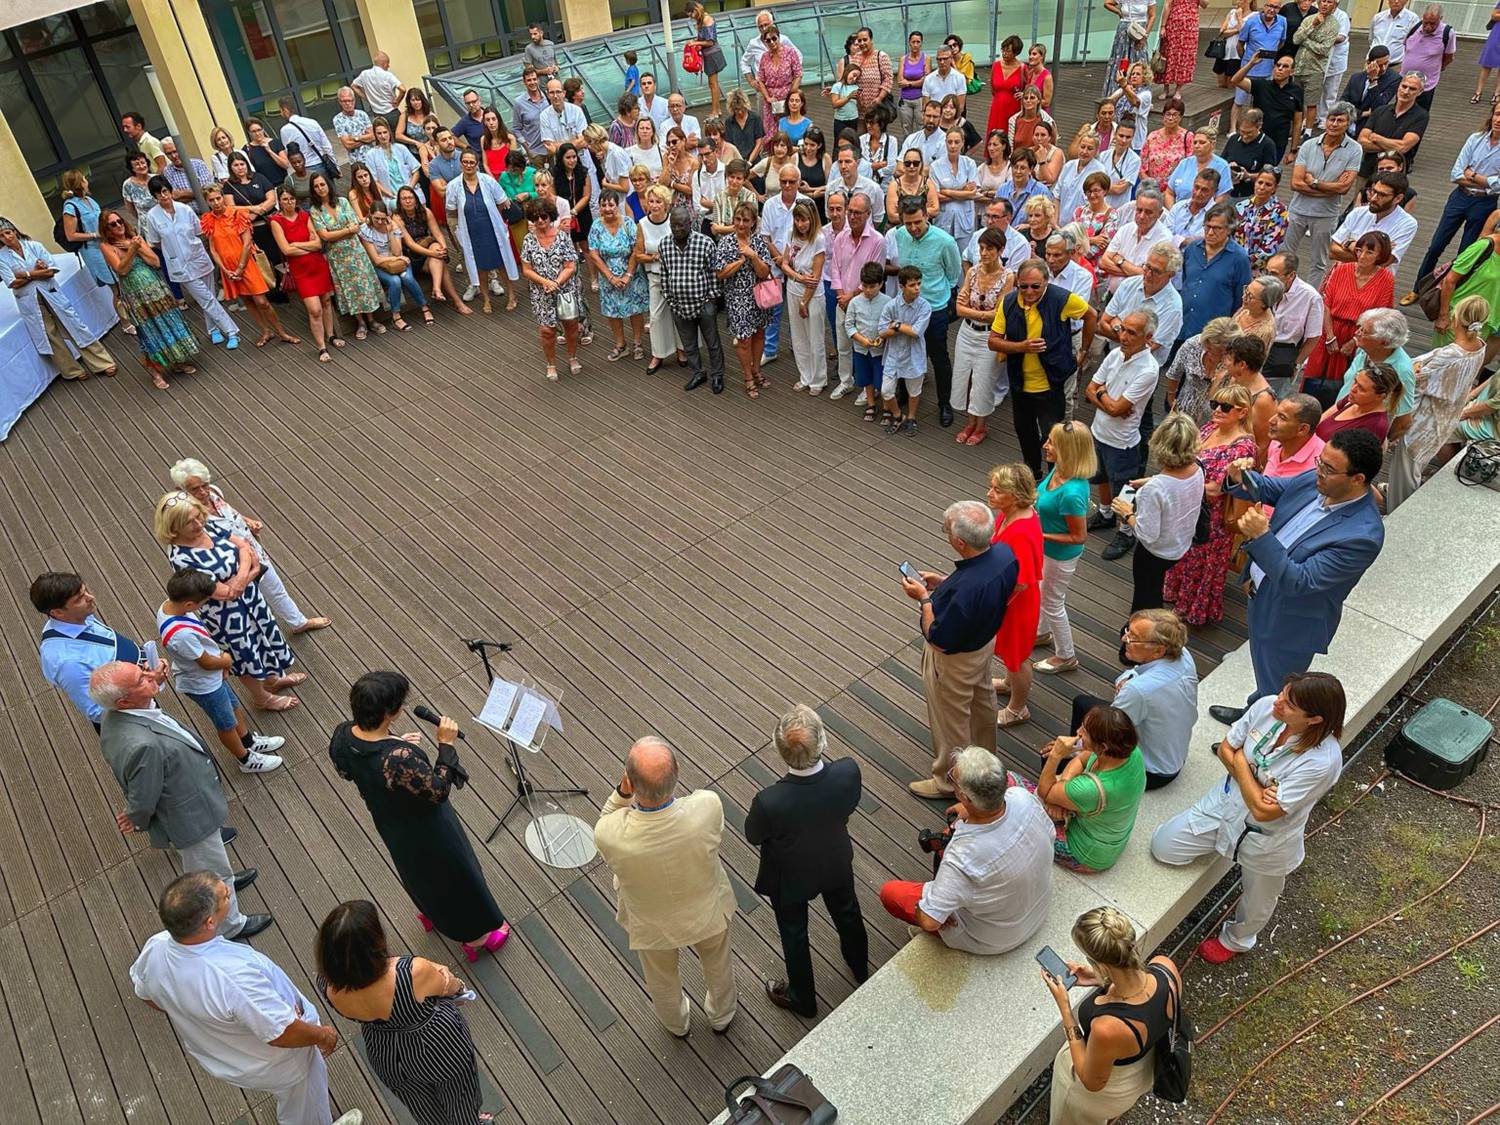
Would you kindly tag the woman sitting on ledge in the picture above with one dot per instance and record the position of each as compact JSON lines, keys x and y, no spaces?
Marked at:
{"x":1092,"y":787}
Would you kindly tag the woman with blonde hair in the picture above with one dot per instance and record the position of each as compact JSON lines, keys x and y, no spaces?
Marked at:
{"x":1012,"y":494}
{"x":1040,"y":224}
{"x":1108,"y":1057}
{"x":80,"y":219}
{"x":237,"y":615}
{"x":1164,"y":512}
{"x":223,"y":148}
{"x":1062,"y":504}
{"x":803,"y":261}
{"x":651,"y":229}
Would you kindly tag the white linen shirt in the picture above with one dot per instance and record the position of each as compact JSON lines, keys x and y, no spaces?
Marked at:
{"x":562,"y":126}
{"x":1133,"y":379}
{"x":226,"y":1002}
{"x":776,"y":224}
{"x":689,"y":127}
{"x":180,"y":238}
{"x":1129,"y":244}
{"x":1397,"y":225}
{"x":933,"y":146}
{"x":935,"y":87}
{"x":995,"y":881}
{"x":1391,"y":31}
{"x":379,"y":86}
{"x":1166,"y":303}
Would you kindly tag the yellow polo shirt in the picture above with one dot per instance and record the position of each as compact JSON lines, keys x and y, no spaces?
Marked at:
{"x":1034,"y":379}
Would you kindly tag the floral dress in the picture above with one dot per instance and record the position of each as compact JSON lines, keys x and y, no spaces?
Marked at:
{"x":1192,"y":384}
{"x":1161,"y":154}
{"x":160,"y":330}
{"x":1096,"y":223}
{"x":1262,"y":229}
{"x":1180,"y":33}
{"x":778,"y":74}
{"x":615,"y":249}
{"x":1196,"y":582}
{"x":354,"y":282}
{"x":746,"y":318}
{"x":244,"y":625}
{"x":549,"y":262}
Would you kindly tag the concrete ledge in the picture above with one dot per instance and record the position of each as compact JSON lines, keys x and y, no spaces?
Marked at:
{"x":877,"y":1055}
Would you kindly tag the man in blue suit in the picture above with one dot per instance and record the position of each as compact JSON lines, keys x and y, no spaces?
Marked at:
{"x":1306,"y":558}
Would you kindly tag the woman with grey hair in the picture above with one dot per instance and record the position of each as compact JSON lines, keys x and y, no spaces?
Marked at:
{"x":193,"y":477}
{"x":1256,"y":315}
{"x":1164,"y":512}
{"x":1196,"y":368}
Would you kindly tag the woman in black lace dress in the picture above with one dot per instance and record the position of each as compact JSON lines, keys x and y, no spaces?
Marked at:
{"x":407,"y":796}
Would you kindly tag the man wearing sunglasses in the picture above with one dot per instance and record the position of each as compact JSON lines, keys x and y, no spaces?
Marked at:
{"x":1307,"y":557}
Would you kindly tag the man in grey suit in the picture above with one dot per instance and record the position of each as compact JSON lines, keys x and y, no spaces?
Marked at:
{"x":171,"y":782}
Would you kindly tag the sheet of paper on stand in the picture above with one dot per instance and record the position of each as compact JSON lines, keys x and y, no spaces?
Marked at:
{"x":530,"y":711}
{"x":497,"y":706}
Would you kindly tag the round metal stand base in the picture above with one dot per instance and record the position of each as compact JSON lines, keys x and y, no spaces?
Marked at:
{"x":560,"y":840}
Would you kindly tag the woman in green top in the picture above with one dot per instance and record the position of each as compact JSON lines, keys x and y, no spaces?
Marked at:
{"x":1098,"y":790}
{"x":518,"y":182}
{"x":1062,"y":503}
{"x":1475,"y":270}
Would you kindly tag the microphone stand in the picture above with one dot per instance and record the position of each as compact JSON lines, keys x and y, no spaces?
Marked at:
{"x":524,"y":787}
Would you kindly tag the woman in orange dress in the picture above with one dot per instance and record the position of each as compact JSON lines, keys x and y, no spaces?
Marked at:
{"x":232,"y":248}
{"x":1012,"y":495}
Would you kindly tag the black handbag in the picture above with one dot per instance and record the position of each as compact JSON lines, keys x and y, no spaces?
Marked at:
{"x":788,"y":1097}
{"x":1481,"y":464}
{"x":1174,"y":1052}
{"x":1217,"y":49}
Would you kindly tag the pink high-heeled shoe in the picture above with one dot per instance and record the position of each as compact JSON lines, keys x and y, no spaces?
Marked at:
{"x":426,"y":921}
{"x":488,"y":944}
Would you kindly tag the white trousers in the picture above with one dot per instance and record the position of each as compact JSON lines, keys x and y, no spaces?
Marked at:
{"x":1333,"y":85}
{"x":201,"y":290}
{"x":809,"y":349}
{"x":1186,"y":837}
{"x":975,"y":368}
{"x":1057,"y":576}
{"x":208,"y":854}
{"x":664,"y":341}
{"x":274,"y":590}
{"x":304,"y":1099}
{"x":845,"y":348}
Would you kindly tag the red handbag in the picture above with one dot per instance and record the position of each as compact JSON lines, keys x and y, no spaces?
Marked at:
{"x":692,"y":58}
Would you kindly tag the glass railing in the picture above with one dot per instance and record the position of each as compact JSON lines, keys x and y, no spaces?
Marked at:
{"x":818,"y":29}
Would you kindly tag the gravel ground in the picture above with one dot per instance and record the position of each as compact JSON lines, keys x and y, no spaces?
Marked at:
{"x":1395,"y":845}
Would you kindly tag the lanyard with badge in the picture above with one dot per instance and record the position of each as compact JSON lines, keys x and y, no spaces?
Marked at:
{"x":1261,"y":760}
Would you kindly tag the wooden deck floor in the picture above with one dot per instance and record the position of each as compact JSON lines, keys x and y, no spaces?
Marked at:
{"x":678,"y":564}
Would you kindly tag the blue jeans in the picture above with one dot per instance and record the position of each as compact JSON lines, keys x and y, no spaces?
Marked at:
{"x":830,"y":304}
{"x":395,"y":283}
{"x":1461,"y":210}
{"x":219,"y":705}
{"x":773,"y":330}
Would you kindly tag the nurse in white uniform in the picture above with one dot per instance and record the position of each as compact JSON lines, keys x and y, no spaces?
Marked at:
{"x":51,"y":321}
{"x":237,"y":1013}
{"x":1281,"y":757}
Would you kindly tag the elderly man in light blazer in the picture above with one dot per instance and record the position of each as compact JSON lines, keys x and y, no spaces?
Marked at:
{"x":671,"y":886}
{"x":171,"y":783}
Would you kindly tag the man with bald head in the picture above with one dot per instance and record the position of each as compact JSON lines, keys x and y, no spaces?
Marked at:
{"x":671,"y":888}
{"x":380,"y":89}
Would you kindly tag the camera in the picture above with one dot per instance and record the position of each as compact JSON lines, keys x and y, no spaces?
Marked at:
{"x":935,"y":843}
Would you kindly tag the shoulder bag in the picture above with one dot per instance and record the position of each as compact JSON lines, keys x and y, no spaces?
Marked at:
{"x":1217,"y":48}
{"x":1429,"y":286}
{"x":788,"y":1097}
{"x":767,"y":293}
{"x":1174,"y":1052}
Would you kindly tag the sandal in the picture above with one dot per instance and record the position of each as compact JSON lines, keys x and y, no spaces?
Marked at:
{"x":360,"y":333}
{"x":290,"y":680}
{"x":1006,"y":717}
{"x":638,"y":352}
{"x":263,"y":341}
{"x":338,"y":341}
{"x":551,"y":373}
{"x":977,"y":436}
{"x":427,"y":317}
{"x":380,"y":330}
{"x":869,"y":414}
{"x":279,"y":703}
{"x":128,"y":329}
{"x":574,"y":367}
{"x":618,"y":352}
{"x":963,"y":435}
{"x":400,"y":325}
{"x":751,"y":389}
{"x":1475,"y":99}
{"x":110,"y":372}
{"x":510,"y":305}
{"x":323,"y":356}
{"x":159,"y":383}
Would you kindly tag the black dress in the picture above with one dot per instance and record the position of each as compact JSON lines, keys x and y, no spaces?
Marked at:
{"x":408,"y":799}
{"x":815,"y":176}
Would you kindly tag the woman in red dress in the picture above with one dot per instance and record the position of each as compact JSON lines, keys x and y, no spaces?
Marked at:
{"x":495,"y":142}
{"x":1350,"y":289}
{"x":303,"y":250}
{"x":1012,"y":494}
{"x":1007,"y":78}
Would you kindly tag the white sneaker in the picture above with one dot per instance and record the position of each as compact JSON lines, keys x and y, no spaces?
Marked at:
{"x":839,"y":392}
{"x":495,"y":286}
{"x":471,"y":292}
{"x":256,"y":762}
{"x":353,"y":1117}
{"x":765,"y":359}
{"x":266,"y":743}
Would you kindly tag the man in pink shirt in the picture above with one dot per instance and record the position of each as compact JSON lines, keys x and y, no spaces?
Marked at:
{"x":1294,"y":446}
{"x":852,"y":247}
{"x":1430,"y":47}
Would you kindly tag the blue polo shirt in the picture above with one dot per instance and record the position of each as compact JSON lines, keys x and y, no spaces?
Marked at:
{"x":1211,"y":289}
{"x":969,"y":605}
{"x":473,"y":132}
{"x":1256,"y":36}
{"x":936,"y":255}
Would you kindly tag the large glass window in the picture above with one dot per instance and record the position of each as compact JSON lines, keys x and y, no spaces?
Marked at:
{"x":458,"y":33}
{"x":64,"y":82}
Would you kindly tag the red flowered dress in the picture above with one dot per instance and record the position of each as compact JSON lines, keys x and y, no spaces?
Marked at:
{"x":1181,"y":47}
{"x":1196,"y":582}
{"x":1161,"y":154}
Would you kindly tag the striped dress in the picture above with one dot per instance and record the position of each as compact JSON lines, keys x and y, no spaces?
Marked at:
{"x":423,"y":1054}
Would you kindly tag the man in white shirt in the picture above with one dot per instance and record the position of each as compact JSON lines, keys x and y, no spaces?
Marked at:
{"x":380,"y":89}
{"x":1338,"y":63}
{"x":929,"y":139}
{"x":993,"y":887}
{"x":776,"y":225}
{"x":609,"y":167}
{"x":1126,"y":254}
{"x":650,"y":105}
{"x":1186,"y":216}
{"x":1059,"y":254}
{"x":678,"y":117}
{"x":237,"y":1013}
{"x":708,"y":181}
{"x":944,"y":81}
{"x":1120,"y":390}
{"x":1389,"y":29}
{"x":309,"y":134}
{"x":754,"y":50}
{"x":1299,"y":323}
{"x":1386,"y":193}
{"x":174,"y":231}
{"x":1017,"y":246}
{"x":561,"y":122}
{"x":847,"y":181}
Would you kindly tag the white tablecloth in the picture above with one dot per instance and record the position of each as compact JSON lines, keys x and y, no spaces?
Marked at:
{"x":25,"y":374}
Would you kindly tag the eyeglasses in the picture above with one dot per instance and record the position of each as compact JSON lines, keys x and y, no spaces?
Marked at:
{"x":543,"y":220}
{"x":1327,"y":470}
{"x":176,"y":499}
{"x":115,"y":223}
{"x":911,"y":164}
{"x":1220,"y":404}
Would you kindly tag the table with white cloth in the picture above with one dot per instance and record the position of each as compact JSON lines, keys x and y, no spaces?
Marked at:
{"x":24,"y":373}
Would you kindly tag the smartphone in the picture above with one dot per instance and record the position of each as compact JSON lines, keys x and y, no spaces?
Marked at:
{"x":465,"y":996}
{"x":909,"y":571}
{"x":1127,"y":493}
{"x":1048,"y":959}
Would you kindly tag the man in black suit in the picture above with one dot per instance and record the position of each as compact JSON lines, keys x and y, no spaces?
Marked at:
{"x":801,"y":825}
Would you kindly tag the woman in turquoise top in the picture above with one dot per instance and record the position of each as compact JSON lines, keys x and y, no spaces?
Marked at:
{"x":1062,"y":503}
{"x":518,"y":182}
{"x":1092,"y":785}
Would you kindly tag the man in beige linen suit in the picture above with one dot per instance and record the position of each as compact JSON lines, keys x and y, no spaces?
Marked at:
{"x":671,"y":887}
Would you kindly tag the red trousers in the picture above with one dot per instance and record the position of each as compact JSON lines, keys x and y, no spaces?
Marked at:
{"x":900,"y":899}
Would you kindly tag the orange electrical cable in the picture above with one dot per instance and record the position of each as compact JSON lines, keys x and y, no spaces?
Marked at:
{"x":1425,"y":1067}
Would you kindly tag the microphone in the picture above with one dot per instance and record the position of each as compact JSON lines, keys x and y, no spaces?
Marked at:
{"x":428,"y":715}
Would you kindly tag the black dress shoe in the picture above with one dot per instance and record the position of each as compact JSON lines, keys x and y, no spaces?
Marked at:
{"x":1121,"y":545}
{"x":227,"y":835}
{"x":254,"y":924}
{"x":243,"y":879}
{"x":945,"y":415}
{"x":776,"y":990}
{"x":1226,"y":715}
{"x":716,"y":384}
{"x":695,"y":382}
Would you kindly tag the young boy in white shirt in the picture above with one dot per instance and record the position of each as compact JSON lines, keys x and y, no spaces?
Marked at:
{"x":198,"y":671}
{"x":862,"y":322}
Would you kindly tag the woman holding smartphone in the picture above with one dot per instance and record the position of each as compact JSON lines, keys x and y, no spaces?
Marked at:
{"x":1108,"y":1057}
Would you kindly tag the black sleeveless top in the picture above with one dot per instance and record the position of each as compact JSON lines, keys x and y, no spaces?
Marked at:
{"x":1152,"y":1012}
